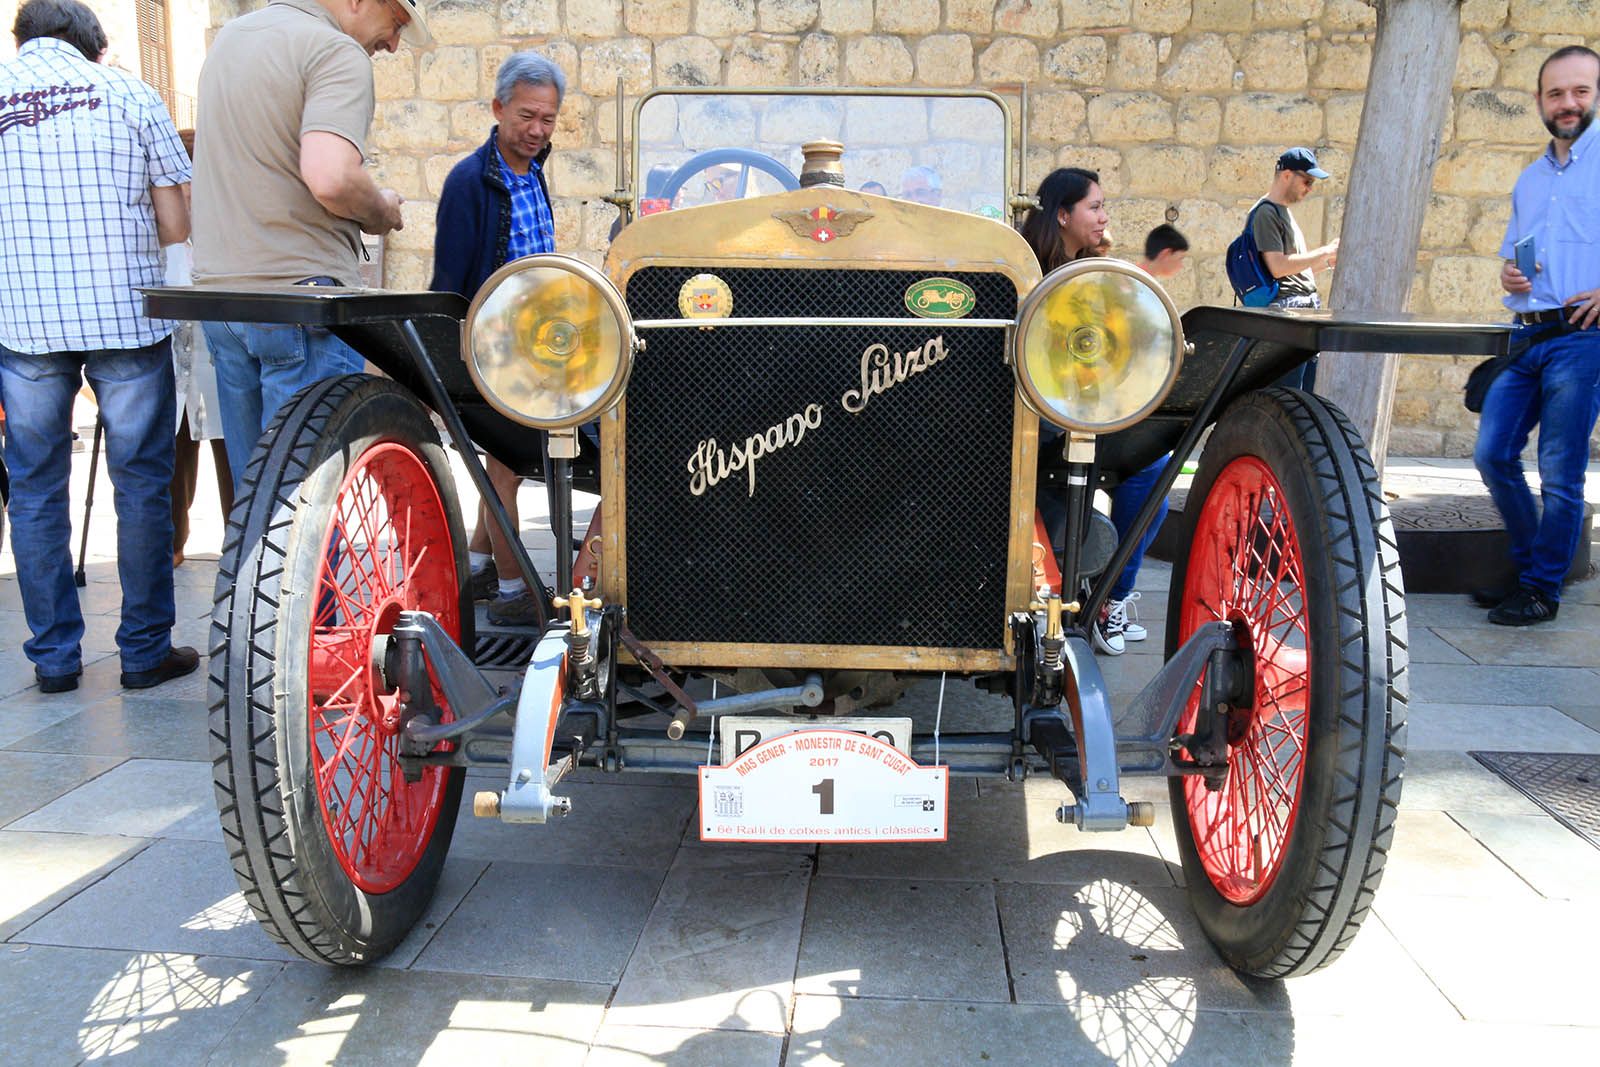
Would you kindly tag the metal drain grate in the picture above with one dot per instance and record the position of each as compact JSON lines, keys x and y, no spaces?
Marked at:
{"x":504,"y":650}
{"x":1564,"y":784}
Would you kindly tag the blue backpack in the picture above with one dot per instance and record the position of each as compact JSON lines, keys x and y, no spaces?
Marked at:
{"x":1252,"y":283}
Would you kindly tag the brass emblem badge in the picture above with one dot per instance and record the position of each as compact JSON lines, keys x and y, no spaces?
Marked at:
{"x":823,"y":223}
{"x":940,"y":298}
{"x":705,"y":296}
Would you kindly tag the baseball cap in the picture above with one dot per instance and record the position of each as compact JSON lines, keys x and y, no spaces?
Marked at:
{"x":414,"y":33}
{"x":1301,"y":159}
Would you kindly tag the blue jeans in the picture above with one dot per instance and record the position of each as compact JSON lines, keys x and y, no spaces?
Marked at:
{"x":1305,"y":375}
{"x":138,"y":405}
{"x":259,"y":367}
{"x":1126,"y":500}
{"x":1555,"y":385}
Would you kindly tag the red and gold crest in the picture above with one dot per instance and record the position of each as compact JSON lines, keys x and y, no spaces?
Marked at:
{"x":823,"y":223}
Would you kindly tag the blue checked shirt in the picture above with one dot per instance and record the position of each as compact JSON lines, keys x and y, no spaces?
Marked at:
{"x":80,"y":146}
{"x":1560,"y":206}
{"x":533,"y":228}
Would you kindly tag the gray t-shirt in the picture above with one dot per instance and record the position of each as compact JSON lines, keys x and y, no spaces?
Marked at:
{"x":1276,"y":231}
{"x":271,"y":77}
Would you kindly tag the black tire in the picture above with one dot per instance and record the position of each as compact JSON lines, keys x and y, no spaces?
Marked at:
{"x":336,"y":855}
{"x":1289,"y":874}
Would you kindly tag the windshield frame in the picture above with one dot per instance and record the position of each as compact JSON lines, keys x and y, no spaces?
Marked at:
{"x":630,"y":190}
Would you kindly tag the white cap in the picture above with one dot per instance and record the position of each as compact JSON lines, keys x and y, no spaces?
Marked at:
{"x":415,"y":33}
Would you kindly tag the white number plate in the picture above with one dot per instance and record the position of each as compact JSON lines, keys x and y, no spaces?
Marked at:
{"x":741,"y":733}
{"x":823,"y":785}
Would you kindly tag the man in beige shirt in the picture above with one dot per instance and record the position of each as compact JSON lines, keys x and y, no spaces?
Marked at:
{"x":280,"y":196}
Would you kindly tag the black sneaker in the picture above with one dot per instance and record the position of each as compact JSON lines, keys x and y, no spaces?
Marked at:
{"x":1491,"y":596}
{"x":1525,"y":607}
{"x":518,"y":610}
{"x":179,"y":662}
{"x":485,"y":583}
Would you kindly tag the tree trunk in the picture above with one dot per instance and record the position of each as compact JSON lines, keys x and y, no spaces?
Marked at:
{"x":1408,"y":93}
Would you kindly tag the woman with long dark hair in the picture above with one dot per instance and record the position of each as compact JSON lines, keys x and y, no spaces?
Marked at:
{"x":1070,"y":221}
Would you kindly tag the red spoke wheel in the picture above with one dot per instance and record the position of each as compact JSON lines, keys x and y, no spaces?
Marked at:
{"x":351,"y":518}
{"x":1289,"y":540}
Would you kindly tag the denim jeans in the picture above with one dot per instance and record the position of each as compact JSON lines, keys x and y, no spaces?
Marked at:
{"x":1555,"y":385}
{"x":1305,"y":375}
{"x":259,"y":367}
{"x":138,"y":405}
{"x":1126,"y":500}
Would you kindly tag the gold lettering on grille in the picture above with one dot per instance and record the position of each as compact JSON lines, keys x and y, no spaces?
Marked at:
{"x":882,"y":370}
{"x":710,"y":463}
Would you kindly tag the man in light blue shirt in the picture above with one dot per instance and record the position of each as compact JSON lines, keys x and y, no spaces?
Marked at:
{"x":1553,"y":380}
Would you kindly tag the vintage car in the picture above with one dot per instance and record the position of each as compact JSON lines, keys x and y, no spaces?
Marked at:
{"x":819,"y":422}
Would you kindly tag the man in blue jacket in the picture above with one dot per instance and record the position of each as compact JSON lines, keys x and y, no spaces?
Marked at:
{"x":495,"y":208}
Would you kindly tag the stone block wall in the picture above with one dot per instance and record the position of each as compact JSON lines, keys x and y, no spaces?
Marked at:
{"x":1177,"y":103}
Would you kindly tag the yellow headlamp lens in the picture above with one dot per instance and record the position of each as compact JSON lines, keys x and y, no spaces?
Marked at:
{"x":549,"y":342}
{"x":1098,"y":346}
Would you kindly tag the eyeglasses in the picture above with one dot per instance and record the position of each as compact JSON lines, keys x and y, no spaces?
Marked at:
{"x":400,"y":14}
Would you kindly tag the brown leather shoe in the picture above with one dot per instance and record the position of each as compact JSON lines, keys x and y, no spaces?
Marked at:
{"x":179,"y":662}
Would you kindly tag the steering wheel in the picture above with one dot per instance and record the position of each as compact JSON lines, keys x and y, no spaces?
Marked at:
{"x":747,"y":159}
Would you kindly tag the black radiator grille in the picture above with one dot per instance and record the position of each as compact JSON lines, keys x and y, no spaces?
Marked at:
{"x":775,"y":292}
{"x":888,"y":526}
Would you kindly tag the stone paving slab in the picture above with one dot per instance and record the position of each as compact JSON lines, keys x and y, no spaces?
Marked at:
{"x":128,"y":727}
{"x":832,"y":1030}
{"x":1531,"y":964}
{"x":1539,"y":850}
{"x":1434,"y":856}
{"x":641,"y":1046}
{"x":1340,"y":1041}
{"x":29,"y":779}
{"x":1532,"y":646}
{"x":70,"y":1005}
{"x":1455,"y":782}
{"x":1075,"y":944}
{"x":355,"y":1016}
{"x":43,"y":870}
{"x":175,"y":896}
{"x":140,"y":798}
{"x":1588,"y":714}
{"x":608,"y":827}
{"x":1008,"y":834}
{"x":1496,"y":728}
{"x":718,"y":950}
{"x":1437,"y":683}
{"x":922,"y":940}
{"x":543,"y":920}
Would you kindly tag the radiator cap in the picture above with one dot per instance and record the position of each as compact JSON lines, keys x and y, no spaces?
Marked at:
{"x":822,"y":165}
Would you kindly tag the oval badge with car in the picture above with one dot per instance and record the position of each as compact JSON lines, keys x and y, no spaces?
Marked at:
{"x":940,"y":298}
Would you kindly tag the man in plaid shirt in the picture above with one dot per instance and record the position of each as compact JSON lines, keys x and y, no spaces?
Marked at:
{"x":92,"y":184}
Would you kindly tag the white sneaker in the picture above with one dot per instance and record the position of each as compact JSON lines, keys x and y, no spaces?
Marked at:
{"x":1117,"y":612}
{"x":1108,"y":637}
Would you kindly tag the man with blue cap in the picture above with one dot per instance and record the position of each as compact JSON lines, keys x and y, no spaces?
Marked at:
{"x":1283,"y":246}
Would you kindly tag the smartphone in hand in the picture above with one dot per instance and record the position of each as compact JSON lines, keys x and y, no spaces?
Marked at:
{"x":1525,"y":253}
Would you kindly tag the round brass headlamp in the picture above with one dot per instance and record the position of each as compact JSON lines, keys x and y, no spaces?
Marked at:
{"x":549,"y":342}
{"x":1097,"y":347}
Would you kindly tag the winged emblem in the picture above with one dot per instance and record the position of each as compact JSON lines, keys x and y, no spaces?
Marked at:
{"x":823,"y":223}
